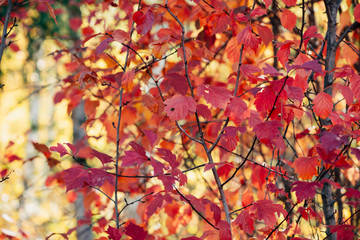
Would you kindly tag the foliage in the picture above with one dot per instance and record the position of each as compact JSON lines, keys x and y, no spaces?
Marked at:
{"x":263,"y":94}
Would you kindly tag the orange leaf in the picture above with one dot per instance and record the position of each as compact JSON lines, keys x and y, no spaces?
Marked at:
{"x":323,"y":105}
{"x":51,"y":11}
{"x":306,"y":167}
{"x":288,"y":19}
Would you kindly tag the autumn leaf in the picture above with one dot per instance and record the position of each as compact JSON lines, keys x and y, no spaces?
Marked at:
{"x":103,"y":45}
{"x":42,"y":148}
{"x":284,"y":51}
{"x":178,"y":107}
{"x":248,"y":38}
{"x":305,"y":190}
{"x":289,"y":3}
{"x":266,"y":210}
{"x":178,"y":82}
{"x":104,"y":158}
{"x":357,"y":13}
{"x":305,"y":167}
{"x":143,"y":21}
{"x":204,"y":111}
{"x":344,"y":232}
{"x":322,"y":105}
{"x":99,"y":176}
{"x":76,"y":178}
{"x":288,"y":19}
{"x":268,"y":130}
{"x":50,"y":9}
{"x":225,"y":230}
{"x":236,"y":110}
{"x":216,"y":96}
{"x":311,"y":32}
{"x":135,"y":231}
{"x":75,"y":23}
{"x":135,"y":156}
{"x":128,"y":78}
{"x":120,"y":35}
{"x":114,"y":233}
{"x":169,"y":157}
{"x":265,"y":34}
{"x":60,"y":149}
{"x":245,"y":220}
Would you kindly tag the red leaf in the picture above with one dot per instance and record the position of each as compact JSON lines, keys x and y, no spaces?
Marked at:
{"x":151,"y":136}
{"x":355,"y":85}
{"x":225,"y":230}
{"x":178,"y":107}
{"x":76,"y":178}
{"x":158,"y":166}
{"x":72,"y":148}
{"x":236,"y":110}
{"x":104,"y":158}
{"x":289,"y":3}
{"x":311,"y":32}
{"x":135,"y":231}
{"x":120,"y":35}
{"x":346,"y":92}
{"x":218,"y":22}
{"x":60,"y":149}
{"x":284,"y":51}
{"x":265,"y":34}
{"x":322,"y":105}
{"x":357,"y":13}
{"x":75,"y":23}
{"x":42,"y":148}
{"x":248,"y":38}
{"x":138,"y":156}
{"x":344,"y":232}
{"x":267,"y":3}
{"x":271,"y":71}
{"x":305,"y":190}
{"x":266,"y":209}
{"x":309,"y":65}
{"x":143,"y":21}
{"x":352,"y":193}
{"x":216,"y":212}
{"x":103,"y":45}
{"x":306,"y":167}
{"x":168,"y":182}
{"x":268,"y":130}
{"x":332,"y":141}
{"x":114,"y":233}
{"x":128,"y":77}
{"x":265,"y":100}
{"x":99,"y":176}
{"x":169,"y":157}
{"x":216,"y":96}
{"x":178,"y":82}
{"x":155,"y":204}
{"x":204,"y":111}
{"x":288,"y":19}
{"x":245,"y":221}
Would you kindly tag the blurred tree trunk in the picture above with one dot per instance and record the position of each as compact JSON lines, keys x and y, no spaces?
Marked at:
{"x":84,"y":231}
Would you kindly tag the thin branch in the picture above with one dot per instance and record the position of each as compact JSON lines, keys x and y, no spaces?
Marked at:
{"x":281,"y":222}
{"x":118,"y":129}
{"x":133,"y":202}
{"x":193,"y":207}
{"x":5,"y":31}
